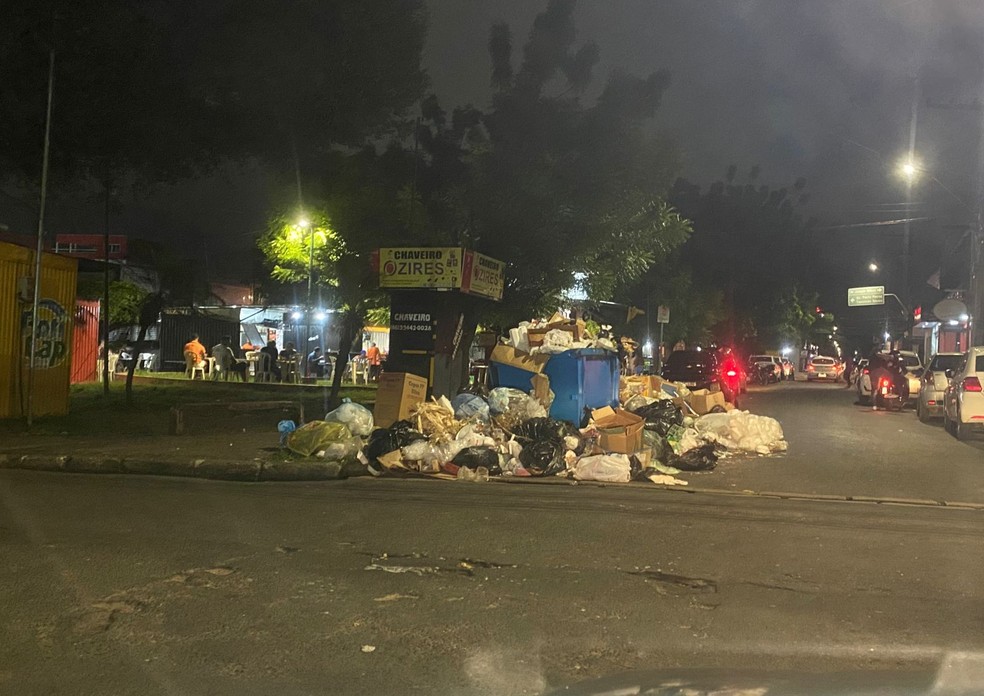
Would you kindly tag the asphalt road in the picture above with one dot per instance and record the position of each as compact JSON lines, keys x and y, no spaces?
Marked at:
{"x":838,"y":447}
{"x":147,"y":585}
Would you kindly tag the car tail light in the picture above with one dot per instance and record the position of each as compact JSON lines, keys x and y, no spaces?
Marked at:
{"x":810,"y":368}
{"x":971,"y":384}
{"x":865,"y":371}
{"x":731,"y":373}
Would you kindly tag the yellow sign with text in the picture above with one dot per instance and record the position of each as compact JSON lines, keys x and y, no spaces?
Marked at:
{"x":420,"y":267}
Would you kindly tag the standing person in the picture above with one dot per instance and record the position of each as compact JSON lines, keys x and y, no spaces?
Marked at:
{"x":848,"y":371}
{"x":375,"y":360}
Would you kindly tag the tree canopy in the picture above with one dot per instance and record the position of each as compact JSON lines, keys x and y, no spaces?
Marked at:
{"x":550,"y":184}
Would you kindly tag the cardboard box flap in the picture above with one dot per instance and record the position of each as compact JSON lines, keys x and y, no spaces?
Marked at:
{"x":507,"y":355}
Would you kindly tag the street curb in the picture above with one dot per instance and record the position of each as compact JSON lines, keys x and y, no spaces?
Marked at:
{"x":213,"y":469}
{"x":255,"y":471}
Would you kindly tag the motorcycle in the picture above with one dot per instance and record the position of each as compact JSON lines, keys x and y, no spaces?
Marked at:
{"x":887,"y":395}
{"x":762,"y":373}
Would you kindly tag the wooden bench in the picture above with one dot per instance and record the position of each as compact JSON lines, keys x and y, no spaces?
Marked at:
{"x":177,"y":426}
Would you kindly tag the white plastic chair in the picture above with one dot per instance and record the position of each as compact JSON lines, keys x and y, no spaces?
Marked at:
{"x":194,"y":366}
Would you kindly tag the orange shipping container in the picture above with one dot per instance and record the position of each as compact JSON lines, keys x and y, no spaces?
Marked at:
{"x":53,"y":353}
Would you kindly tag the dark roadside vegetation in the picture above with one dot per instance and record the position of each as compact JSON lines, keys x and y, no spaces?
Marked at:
{"x":93,"y":415}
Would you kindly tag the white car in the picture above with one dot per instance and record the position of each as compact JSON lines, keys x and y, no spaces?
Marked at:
{"x":963,"y":400}
{"x":913,"y":365}
{"x":772,"y":360}
{"x":933,"y":383}
{"x":822,"y":367}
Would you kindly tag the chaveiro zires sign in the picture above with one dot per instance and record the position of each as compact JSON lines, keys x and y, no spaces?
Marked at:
{"x":440,"y":268}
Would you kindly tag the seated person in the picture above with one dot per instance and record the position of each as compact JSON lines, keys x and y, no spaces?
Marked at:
{"x":226,"y":361}
{"x":316,"y":364}
{"x":270,"y":355}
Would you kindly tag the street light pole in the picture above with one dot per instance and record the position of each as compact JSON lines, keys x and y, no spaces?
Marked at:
{"x":304,"y":224}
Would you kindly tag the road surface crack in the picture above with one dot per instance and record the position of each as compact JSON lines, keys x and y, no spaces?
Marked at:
{"x":685,"y":582}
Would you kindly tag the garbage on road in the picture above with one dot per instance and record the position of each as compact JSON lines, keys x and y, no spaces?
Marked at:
{"x":557,"y":407}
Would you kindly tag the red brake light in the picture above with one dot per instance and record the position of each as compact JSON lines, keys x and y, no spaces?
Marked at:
{"x":883,"y":382}
{"x":971,"y":384}
{"x":731,"y":373}
{"x":810,"y":368}
{"x":865,"y":371}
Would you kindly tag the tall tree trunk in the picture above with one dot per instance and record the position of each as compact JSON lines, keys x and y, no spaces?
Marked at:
{"x":351,"y":326}
{"x":135,"y":358}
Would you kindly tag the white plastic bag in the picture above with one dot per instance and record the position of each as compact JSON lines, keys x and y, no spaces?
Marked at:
{"x":610,"y":468}
{"x":556,"y":341}
{"x":349,"y":447}
{"x":741,"y":430}
{"x":357,"y":417}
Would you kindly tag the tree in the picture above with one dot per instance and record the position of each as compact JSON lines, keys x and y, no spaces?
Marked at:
{"x":749,"y":240}
{"x":696,"y":309}
{"x":126,"y":300}
{"x":552,"y":186}
{"x":361,"y":211}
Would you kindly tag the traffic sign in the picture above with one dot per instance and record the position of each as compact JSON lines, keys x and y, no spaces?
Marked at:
{"x":866,"y":296}
{"x":663,"y":315}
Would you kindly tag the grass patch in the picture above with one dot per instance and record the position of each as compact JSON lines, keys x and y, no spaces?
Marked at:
{"x":92,"y":413}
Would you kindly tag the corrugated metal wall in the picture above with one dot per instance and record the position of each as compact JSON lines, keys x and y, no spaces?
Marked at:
{"x":85,"y":341}
{"x":55,"y":330}
{"x":178,"y":325}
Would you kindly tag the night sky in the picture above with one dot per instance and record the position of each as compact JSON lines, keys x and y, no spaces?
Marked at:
{"x":815,"y":88}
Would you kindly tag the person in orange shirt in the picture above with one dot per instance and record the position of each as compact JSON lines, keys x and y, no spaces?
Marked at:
{"x":375,"y":360}
{"x":195,"y":346}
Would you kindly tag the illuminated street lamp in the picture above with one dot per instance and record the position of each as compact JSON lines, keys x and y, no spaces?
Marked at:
{"x":873,"y":267}
{"x":909,"y":169}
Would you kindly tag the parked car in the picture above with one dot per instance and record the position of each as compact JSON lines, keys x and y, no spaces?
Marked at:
{"x":697,"y":369}
{"x":963,"y":399}
{"x":859,"y":368}
{"x":822,"y":367}
{"x":929,"y":403}
{"x":914,"y":366}
{"x":767,"y":359}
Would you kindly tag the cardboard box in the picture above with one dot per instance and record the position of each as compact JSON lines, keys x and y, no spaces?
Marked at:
{"x":398,"y":392}
{"x":536,"y":335}
{"x":703,"y":401}
{"x":507,"y":355}
{"x":620,"y":430}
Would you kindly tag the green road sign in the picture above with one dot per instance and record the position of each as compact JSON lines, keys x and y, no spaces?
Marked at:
{"x":866,"y":297}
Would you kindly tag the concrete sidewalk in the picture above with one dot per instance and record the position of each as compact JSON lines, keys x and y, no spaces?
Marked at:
{"x":243,"y":456}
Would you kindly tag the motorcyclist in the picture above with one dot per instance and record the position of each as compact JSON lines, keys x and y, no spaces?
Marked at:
{"x":730,"y":374}
{"x":892,"y":367}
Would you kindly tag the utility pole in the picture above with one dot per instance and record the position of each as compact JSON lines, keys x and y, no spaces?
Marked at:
{"x":975,"y":299}
{"x":913,"y":120}
{"x":40,"y":248}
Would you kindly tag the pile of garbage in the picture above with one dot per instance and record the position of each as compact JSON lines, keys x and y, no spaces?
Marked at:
{"x":654,"y":434}
{"x":555,"y":335}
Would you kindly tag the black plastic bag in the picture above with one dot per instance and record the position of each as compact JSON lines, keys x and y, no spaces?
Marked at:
{"x":385,"y":440}
{"x":543,"y":444}
{"x":703,"y":458}
{"x":474,"y":457}
{"x":660,"y":416}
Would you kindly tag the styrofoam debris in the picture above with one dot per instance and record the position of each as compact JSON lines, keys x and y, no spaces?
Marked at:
{"x":741,"y":430}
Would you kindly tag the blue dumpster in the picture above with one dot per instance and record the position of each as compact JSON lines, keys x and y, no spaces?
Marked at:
{"x":583,"y":378}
